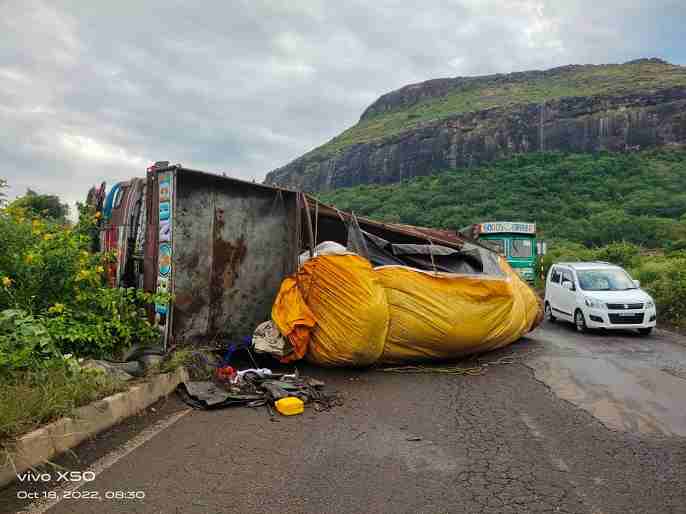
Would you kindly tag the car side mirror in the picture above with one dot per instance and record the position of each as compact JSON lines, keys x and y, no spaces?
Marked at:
{"x":637,"y":283}
{"x":568,"y":285}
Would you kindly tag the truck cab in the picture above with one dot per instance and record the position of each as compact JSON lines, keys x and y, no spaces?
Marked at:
{"x":516,"y":241}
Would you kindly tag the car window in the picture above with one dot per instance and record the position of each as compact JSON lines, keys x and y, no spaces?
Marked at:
{"x":555,"y":277}
{"x":567,"y":276}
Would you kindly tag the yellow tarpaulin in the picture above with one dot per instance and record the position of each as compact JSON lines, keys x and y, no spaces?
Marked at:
{"x":339,"y":311}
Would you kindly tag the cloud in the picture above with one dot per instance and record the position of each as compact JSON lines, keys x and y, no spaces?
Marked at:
{"x":97,"y":90}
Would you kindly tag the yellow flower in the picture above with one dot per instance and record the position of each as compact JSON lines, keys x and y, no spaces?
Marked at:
{"x":98,"y":215}
{"x":57,"y":308}
{"x":99,"y":269}
{"x":83,"y":274}
{"x":48,"y":237}
{"x":7,"y":281}
{"x":36,"y":227}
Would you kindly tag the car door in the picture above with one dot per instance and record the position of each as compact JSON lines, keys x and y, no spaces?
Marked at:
{"x":567,"y":298}
{"x":553,"y":288}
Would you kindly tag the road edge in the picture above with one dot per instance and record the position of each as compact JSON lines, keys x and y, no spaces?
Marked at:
{"x":41,"y":445}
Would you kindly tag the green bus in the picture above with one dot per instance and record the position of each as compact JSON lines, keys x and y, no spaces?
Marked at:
{"x":516,"y":241}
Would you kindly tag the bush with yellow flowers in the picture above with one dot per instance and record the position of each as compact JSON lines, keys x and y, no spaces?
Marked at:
{"x":54,"y":284}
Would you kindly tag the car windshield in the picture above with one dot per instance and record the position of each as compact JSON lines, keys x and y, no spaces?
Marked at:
{"x":605,"y":280}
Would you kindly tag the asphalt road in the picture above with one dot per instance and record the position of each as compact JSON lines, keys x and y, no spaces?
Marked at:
{"x":566,"y":423}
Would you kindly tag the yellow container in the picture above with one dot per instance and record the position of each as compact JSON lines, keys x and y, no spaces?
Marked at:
{"x":290,"y":406}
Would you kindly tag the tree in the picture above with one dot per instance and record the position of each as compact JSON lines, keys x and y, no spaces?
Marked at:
{"x":44,"y":206}
{"x":3,"y":185}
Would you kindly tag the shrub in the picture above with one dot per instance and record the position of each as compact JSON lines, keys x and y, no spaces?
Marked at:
{"x":622,"y":254}
{"x":102,"y":322}
{"x":665,"y":280}
{"x":25,"y":343}
{"x":50,"y":276}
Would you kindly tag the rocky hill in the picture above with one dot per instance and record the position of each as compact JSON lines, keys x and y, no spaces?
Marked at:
{"x":466,"y":121}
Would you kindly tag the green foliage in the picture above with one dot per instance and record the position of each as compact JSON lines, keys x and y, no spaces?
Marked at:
{"x":480,"y":93}
{"x":54,"y":309}
{"x":175,"y":360}
{"x":43,"y":206}
{"x":590,"y":199}
{"x":3,"y":195}
{"x":665,"y":279}
{"x":102,"y":322}
{"x":53,"y":296}
{"x":24,"y":342}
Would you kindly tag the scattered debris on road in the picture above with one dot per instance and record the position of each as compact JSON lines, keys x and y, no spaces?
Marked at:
{"x":253,"y":387}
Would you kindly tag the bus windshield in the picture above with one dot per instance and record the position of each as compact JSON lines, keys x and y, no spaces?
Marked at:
{"x":497,"y":244}
{"x":520,"y":248}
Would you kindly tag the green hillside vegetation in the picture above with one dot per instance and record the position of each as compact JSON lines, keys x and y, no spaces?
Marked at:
{"x":585,"y":198}
{"x":486,"y":92}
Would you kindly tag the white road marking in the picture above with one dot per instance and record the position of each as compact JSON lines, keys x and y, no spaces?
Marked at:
{"x":107,"y":461}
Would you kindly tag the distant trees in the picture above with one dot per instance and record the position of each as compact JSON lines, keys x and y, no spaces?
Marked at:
{"x":591,"y":199}
{"x":43,"y":206}
{"x":3,"y":185}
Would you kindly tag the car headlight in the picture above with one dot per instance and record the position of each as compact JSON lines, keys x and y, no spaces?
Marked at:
{"x":590,"y":302}
{"x":650,"y":304}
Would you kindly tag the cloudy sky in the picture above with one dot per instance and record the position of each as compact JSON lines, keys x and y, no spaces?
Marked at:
{"x":94,"y":90}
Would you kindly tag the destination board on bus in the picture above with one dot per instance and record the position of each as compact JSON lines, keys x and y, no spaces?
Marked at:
{"x":513,"y":227}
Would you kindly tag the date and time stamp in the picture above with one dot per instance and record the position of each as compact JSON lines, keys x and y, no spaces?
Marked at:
{"x":74,"y":486}
{"x":60,"y":494}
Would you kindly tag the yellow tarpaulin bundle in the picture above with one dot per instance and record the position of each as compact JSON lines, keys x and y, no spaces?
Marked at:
{"x":397,"y":314}
{"x":440,"y":315}
{"x":344,"y":296}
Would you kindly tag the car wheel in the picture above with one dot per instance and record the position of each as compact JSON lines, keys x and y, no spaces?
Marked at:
{"x":580,"y":321}
{"x":645,"y":331}
{"x":549,"y":313}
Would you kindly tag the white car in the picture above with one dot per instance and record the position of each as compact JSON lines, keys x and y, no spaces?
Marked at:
{"x":597,"y":295}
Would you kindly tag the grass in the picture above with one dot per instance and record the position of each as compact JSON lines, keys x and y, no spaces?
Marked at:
{"x":486,"y":92}
{"x":177,"y":359}
{"x":31,"y":399}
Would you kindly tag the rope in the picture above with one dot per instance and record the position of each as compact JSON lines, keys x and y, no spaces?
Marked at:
{"x":316,"y":222}
{"x":431,"y":252}
{"x":480,"y":369}
{"x":450,"y":370}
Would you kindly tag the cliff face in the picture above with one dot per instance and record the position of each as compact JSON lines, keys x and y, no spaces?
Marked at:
{"x":463,"y":122}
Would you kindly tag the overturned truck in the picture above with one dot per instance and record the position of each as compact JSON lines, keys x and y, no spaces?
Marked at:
{"x":233,"y":254}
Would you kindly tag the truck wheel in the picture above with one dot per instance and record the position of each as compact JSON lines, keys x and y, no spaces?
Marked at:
{"x":580,"y":321}
{"x":549,"y":313}
{"x":645,"y":331}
